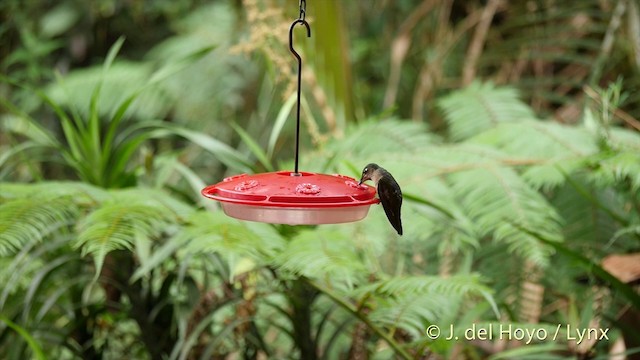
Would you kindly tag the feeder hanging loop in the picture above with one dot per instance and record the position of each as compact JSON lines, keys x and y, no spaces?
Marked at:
{"x":302,"y":21}
{"x":303,"y":9}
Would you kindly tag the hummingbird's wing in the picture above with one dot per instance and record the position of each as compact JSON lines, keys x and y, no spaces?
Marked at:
{"x":391,"y":198}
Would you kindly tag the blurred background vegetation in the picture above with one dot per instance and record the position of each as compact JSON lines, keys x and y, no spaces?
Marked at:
{"x":512,"y":128}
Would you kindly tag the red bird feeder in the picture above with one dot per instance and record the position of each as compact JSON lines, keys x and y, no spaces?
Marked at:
{"x":285,"y":197}
{"x":294,"y":198}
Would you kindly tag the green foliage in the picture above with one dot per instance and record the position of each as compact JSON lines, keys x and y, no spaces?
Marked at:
{"x":102,"y":153}
{"x":323,"y":254}
{"x":481,"y":107}
{"x":26,"y":219}
{"x":242,"y":246}
{"x":37,"y":351}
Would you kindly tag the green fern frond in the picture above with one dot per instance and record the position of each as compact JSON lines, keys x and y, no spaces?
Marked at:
{"x":544,"y":139}
{"x":496,"y":199}
{"x":383,"y":135}
{"x":412,"y":302}
{"x":413,"y":314}
{"x":586,"y":224}
{"x":484,"y":194}
{"x":616,"y":168}
{"x":457,"y":285}
{"x":372,"y":137}
{"x":154,"y":198}
{"x":482,"y":106}
{"x":620,"y":162}
{"x":29,"y":212}
{"x":625,"y":139}
{"x":548,"y":152}
{"x":80,"y":191}
{"x":323,"y":254}
{"x":115,"y":225}
{"x":209,"y":232}
{"x":23,"y":220}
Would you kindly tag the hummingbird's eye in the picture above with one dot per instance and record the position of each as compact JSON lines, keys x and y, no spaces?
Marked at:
{"x":365,"y":170}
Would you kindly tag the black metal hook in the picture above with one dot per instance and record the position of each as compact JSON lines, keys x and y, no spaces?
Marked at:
{"x":293,"y":51}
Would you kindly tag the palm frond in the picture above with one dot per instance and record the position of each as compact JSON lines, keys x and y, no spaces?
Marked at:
{"x":482,"y":106}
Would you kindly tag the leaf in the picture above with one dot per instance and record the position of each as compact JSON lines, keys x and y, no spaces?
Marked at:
{"x":480,"y":107}
{"x":255,"y":148}
{"x":222,"y":151}
{"x":584,"y":221}
{"x":278,"y":125}
{"x":24,"y":220}
{"x":13,"y":151}
{"x":179,"y":65}
{"x":365,"y":141}
{"x":214,"y":232}
{"x":413,"y":302}
{"x":116,"y":223}
{"x":593,"y":267}
{"x":113,"y":52}
{"x":424,"y":284}
{"x":494,"y":197}
{"x":412,"y":313}
{"x":156,"y":259}
{"x":617,"y":168}
{"x":546,"y":154}
{"x":123,"y":92}
{"x":24,"y":125}
{"x":532,"y":351}
{"x":322,"y":254}
{"x":58,"y":20}
{"x":33,"y":345}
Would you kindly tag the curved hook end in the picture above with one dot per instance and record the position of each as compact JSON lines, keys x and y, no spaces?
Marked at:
{"x":293,"y":25}
{"x":303,"y":22}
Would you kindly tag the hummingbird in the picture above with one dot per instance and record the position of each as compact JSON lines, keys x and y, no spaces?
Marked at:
{"x":388,"y":191}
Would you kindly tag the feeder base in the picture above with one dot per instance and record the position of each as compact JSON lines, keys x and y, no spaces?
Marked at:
{"x":296,"y":216}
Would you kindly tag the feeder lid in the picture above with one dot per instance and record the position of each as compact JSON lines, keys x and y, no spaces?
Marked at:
{"x":285,"y":197}
{"x":286,"y":189}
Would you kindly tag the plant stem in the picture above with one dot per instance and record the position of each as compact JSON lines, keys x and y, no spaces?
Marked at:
{"x":362,"y":317}
{"x":593,"y":199}
{"x":301,"y":297}
{"x":607,"y":42}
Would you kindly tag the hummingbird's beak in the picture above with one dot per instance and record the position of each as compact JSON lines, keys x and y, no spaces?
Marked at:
{"x":362,"y":179}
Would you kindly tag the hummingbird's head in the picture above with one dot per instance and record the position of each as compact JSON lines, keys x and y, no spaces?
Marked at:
{"x":367,"y":172}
